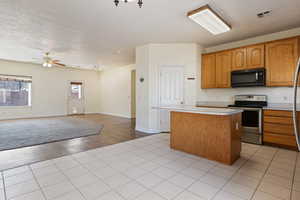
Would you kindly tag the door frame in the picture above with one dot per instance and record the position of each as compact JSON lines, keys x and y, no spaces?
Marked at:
{"x":159,"y":88}
{"x":133,"y":94}
{"x":69,"y":96}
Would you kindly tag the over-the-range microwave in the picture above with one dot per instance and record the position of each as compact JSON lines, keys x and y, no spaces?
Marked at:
{"x":248,"y":78}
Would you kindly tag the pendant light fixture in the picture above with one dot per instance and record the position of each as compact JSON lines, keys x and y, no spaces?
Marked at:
{"x":140,"y":2}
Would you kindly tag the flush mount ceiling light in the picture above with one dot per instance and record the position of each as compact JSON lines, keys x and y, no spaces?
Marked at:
{"x":140,"y":2}
{"x":209,"y":19}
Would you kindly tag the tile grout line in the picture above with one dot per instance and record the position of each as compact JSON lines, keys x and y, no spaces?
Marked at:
{"x":37,"y":182}
{"x":151,"y":171}
{"x":147,"y":189}
{"x":40,"y":188}
{"x":4,"y":187}
{"x":196,"y":180}
{"x":207,"y":172}
{"x":60,"y":170}
{"x":60,"y":156}
{"x":82,"y":165}
{"x":166,"y":180}
{"x":261,"y":179}
{"x":231,"y":178}
{"x":163,"y":179}
{"x":295,"y":168}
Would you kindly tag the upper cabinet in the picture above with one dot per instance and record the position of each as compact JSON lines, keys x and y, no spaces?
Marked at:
{"x":239,"y":59}
{"x":248,"y":58}
{"x":223,"y":69}
{"x":278,"y":57}
{"x":255,"y":56}
{"x":208,"y":71}
{"x":281,"y":59}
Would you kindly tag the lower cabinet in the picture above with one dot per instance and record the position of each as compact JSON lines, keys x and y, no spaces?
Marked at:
{"x":278,"y":128}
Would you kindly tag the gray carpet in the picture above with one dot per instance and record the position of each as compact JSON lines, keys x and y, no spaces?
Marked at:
{"x":21,"y":133}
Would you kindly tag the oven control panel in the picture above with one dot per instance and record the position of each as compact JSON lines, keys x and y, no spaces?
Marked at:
{"x":250,"y":98}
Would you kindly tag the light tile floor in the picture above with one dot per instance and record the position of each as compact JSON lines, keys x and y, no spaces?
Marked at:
{"x":147,"y":169}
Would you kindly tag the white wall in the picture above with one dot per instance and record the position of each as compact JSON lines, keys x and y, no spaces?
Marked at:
{"x":149,"y":59}
{"x":50,"y":89}
{"x":142,"y":89}
{"x":115,"y":91}
{"x":275,"y":94}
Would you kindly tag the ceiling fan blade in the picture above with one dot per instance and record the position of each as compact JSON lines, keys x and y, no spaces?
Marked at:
{"x":59,"y":64}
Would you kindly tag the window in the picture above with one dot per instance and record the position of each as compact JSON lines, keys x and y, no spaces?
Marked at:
{"x":76,"y":90}
{"x":15,"y":90}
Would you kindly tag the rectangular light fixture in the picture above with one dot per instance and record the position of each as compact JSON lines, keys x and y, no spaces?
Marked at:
{"x":209,"y":19}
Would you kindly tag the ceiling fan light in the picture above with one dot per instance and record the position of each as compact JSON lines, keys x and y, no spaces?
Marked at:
{"x":210,"y":20}
{"x":49,"y":65}
{"x":45,"y":64}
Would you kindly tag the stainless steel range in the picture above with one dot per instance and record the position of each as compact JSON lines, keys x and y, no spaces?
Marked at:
{"x":252,"y":105}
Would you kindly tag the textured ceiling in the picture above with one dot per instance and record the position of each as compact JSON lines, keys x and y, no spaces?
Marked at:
{"x":94,"y":32}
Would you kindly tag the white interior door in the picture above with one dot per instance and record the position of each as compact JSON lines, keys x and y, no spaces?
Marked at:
{"x":171,"y":92}
{"x":76,"y":98}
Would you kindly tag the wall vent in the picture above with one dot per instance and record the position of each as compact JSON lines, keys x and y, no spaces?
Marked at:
{"x":264,"y":14}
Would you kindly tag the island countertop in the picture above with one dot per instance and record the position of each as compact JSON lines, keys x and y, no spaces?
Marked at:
{"x":200,"y":110}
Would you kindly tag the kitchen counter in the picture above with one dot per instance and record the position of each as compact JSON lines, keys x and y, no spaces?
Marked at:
{"x":200,"y":110}
{"x":212,"y":133}
{"x":213,"y":104}
{"x":271,"y":106}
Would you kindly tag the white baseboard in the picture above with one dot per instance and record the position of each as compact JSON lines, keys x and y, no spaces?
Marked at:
{"x":145,"y":130}
{"x":91,"y":113}
{"x":31,"y":117}
{"x":114,"y":114}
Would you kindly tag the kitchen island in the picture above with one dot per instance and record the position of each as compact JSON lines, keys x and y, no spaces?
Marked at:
{"x":212,"y":133}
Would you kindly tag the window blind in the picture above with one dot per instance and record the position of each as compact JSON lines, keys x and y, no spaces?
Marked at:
{"x":15,"y":78}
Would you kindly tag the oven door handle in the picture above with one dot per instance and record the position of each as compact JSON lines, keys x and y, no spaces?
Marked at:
{"x":260,"y":121}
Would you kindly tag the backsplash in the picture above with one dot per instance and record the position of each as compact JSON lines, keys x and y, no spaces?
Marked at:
{"x":275,"y":95}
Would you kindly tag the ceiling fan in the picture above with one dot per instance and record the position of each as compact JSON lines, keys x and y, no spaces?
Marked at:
{"x":49,"y":62}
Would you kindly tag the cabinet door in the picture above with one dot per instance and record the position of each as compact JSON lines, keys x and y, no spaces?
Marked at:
{"x":238,"y":59}
{"x":256,"y":56}
{"x":223,"y":69}
{"x":281,"y":59}
{"x":208,"y":71}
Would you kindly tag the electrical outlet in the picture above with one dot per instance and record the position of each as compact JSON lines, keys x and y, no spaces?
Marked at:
{"x":285,"y":98}
{"x":236,"y":126}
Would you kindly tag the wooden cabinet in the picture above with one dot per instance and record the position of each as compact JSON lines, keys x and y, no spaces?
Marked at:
{"x":208,"y":71}
{"x":215,"y":71}
{"x":278,"y":57}
{"x":249,"y":57}
{"x":255,"y":56}
{"x":239,"y":59}
{"x":278,"y":128}
{"x":215,"y":137}
{"x":281,"y":59}
{"x":223,"y":69}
